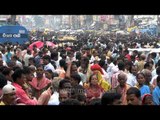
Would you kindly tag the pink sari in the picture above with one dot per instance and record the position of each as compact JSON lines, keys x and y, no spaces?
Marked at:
{"x":39,"y":86}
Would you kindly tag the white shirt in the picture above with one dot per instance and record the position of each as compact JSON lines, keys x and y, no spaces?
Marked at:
{"x":92,"y":59}
{"x":26,"y":59}
{"x":153,"y":78}
{"x":54,"y":100}
{"x":131,"y":79}
{"x":154,"y":73}
{"x":19,"y":64}
{"x":49,"y":66}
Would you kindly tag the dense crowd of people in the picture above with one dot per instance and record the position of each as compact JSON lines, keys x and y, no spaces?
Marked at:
{"x":93,"y":70}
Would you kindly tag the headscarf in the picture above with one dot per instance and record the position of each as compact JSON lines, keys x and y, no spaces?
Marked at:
{"x":144,"y":96}
{"x":97,"y":67}
{"x":103,"y":83}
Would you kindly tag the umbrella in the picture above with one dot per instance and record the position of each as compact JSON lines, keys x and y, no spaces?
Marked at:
{"x":48,"y":43}
{"x":39,"y":44}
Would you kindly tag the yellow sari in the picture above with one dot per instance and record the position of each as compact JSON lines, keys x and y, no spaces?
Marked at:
{"x":104,"y":84}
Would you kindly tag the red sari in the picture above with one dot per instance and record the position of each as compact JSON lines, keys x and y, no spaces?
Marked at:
{"x":94,"y":92}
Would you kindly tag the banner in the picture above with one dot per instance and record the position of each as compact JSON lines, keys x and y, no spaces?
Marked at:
{"x":13,"y":34}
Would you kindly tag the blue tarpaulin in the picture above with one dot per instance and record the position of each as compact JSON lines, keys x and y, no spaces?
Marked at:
{"x":13,"y":34}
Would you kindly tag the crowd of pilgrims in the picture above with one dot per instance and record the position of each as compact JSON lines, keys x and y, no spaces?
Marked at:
{"x":91,"y":71}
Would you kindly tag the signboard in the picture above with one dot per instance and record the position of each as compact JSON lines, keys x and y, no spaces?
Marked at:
{"x":13,"y":34}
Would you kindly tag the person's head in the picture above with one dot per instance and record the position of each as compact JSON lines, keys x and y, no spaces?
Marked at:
{"x":128,"y":65}
{"x":158,"y":80}
{"x":39,"y":71}
{"x":148,"y":75}
{"x":40,"y":53}
{"x":84,"y":62}
{"x":78,"y":55}
{"x":75,"y":79}
{"x":122,"y":78}
{"x":62,"y":63}
{"x":19,"y":77}
{"x":70,"y":54}
{"x":28,"y":73}
{"x":9,"y":94}
{"x":121,"y":66}
{"x":7,"y":72}
{"x":49,"y":74}
{"x":32,"y":68}
{"x":153,"y":55}
{"x":29,"y":51}
{"x":3,"y":81}
{"x":110,"y":98}
{"x":96,"y":68}
{"x":1,"y":56}
{"x":1,"y":62}
{"x":125,"y":52}
{"x":2,"y":68}
{"x":63,"y":95}
{"x":74,"y":68}
{"x":93,"y":80}
{"x":3,"y":50}
{"x":8,"y":49}
{"x":55,"y":84}
{"x":54,"y":56}
{"x":148,"y":66}
{"x":142,"y":57}
{"x":134,"y":70}
{"x":158,"y":63}
{"x":102,"y":63}
{"x":96,"y":101}
{"x":14,"y":58}
{"x":65,"y":84}
{"x":140,"y":78}
{"x":81,"y":98}
{"x":135,"y":52}
{"x":46,"y":59}
{"x":31,"y":61}
{"x":147,"y":99}
{"x":95,"y":53}
{"x":70,"y":102}
{"x":158,"y":71}
{"x":133,"y":96}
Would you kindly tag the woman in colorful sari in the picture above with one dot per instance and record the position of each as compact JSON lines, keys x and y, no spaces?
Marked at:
{"x":96,"y":69}
{"x":144,"y":89}
{"x":94,"y":90}
{"x":39,"y":83}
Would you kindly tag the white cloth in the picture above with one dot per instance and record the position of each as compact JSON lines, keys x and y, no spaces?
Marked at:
{"x":4,"y":57}
{"x":153,"y":78}
{"x":54,"y":100}
{"x":19,"y":64}
{"x":92,"y":59}
{"x":131,"y":79}
{"x":49,"y":66}
{"x":154,"y":73}
{"x":26,"y":59}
